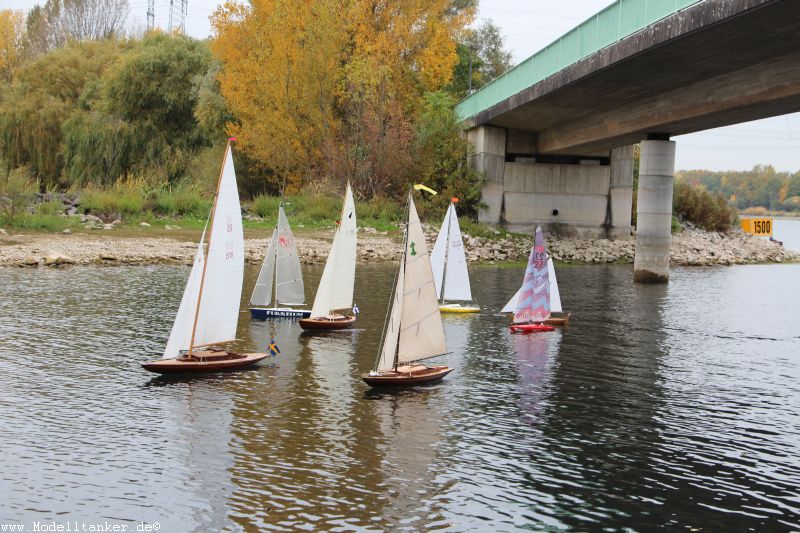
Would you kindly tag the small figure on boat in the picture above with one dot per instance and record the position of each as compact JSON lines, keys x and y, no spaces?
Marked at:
{"x":273,"y":348}
{"x":355,"y":309}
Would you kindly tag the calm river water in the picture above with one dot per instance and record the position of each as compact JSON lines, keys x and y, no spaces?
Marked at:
{"x":671,"y":406}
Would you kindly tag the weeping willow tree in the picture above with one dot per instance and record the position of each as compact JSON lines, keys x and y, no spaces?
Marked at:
{"x":97,"y":112}
{"x":45,"y":93}
{"x":142,"y":119}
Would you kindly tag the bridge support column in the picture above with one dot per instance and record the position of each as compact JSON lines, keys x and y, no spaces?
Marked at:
{"x":620,"y":193}
{"x":490,"y":158}
{"x":654,"y":211}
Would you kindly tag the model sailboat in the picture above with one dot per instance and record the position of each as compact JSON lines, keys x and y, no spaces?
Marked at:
{"x":533,"y":304}
{"x":209,"y":310}
{"x":280,"y":279}
{"x":414,"y":329}
{"x":335,"y":292}
{"x":449,"y":263}
{"x":557,"y":316}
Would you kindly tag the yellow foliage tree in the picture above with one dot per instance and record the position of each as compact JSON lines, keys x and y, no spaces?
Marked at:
{"x":12,"y":37}
{"x":316,"y":84}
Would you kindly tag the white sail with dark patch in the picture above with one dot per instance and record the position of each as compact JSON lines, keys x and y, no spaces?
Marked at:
{"x":221,"y":284}
{"x":289,"y":288}
{"x":421,"y":331}
{"x":335,"y":289}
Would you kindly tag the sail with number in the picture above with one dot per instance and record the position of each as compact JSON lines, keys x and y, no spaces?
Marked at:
{"x":221,"y":287}
{"x":555,"y":295}
{"x":449,"y":262}
{"x":415,"y":329}
{"x":336,"y":285}
{"x":209,"y":310}
{"x":533,"y":304}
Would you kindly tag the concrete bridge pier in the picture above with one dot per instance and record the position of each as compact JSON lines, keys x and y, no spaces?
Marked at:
{"x":654,"y":210}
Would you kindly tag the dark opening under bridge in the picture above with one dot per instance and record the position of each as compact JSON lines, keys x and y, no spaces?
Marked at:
{"x":554,"y":134}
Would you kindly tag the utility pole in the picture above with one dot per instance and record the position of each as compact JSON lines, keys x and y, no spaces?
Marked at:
{"x":151,"y":15}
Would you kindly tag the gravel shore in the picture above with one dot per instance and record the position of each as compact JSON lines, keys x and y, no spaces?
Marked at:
{"x":689,"y":247}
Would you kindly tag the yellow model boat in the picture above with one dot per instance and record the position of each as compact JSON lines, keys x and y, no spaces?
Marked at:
{"x":457,"y":308}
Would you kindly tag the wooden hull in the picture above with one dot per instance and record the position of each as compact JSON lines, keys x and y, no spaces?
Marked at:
{"x":530,"y":328}
{"x":456,"y":308}
{"x":279,"y":312}
{"x":406,"y":376}
{"x":327,"y":323}
{"x":558,"y":319}
{"x":206,"y":361}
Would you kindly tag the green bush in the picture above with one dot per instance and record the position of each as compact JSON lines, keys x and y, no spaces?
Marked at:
{"x":695,"y":204}
{"x":18,"y":189}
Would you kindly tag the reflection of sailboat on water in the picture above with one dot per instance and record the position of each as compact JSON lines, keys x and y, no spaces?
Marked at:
{"x":449,"y":263}
{"x":209,"y":310}
{"x":534,"y":355}
{"x":335,"y":292}
{"x":533,"y":303}
{"x":414,"y":328}
{"x":280,"y":279}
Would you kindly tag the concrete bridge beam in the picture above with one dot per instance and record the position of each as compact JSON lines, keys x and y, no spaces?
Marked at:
{"x":489,"y":157}
{"x":654,"y":211}
{"x":620,"y":193}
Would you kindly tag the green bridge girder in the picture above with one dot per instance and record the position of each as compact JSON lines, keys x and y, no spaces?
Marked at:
{"x":618,"y":21}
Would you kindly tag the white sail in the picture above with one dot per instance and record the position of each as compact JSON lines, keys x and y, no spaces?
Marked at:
{"x":512,"y":303}
{"x":438,"y":254}
{"x":421,"y":332}
{"x":289,"y":279}
{"x":555,"y":296}
{"x":262,"y":293}
{"x":449,"y":262}
{"x":221,"y":287}
{"x":336,"y":286}
{"x":389,"y":348}
{"x":181,"y":335}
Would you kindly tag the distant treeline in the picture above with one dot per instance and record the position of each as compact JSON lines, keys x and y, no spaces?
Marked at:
{"x":316,"y":93}
{"x":762,"y":186}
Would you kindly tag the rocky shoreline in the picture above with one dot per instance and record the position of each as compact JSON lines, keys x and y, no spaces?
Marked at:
{"x":689,"y":247}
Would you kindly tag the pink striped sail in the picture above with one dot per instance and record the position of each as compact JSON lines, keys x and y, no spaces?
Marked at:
{"x":534,"y":298}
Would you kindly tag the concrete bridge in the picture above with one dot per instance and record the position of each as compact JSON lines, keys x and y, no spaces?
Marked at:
{"x":555,"y":134}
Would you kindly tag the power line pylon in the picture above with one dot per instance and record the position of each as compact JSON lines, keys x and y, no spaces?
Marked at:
{"x":178,"y":9}
{"x":151,"y":15}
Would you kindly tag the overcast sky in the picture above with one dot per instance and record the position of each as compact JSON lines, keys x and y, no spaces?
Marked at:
{"x":530,"y":25}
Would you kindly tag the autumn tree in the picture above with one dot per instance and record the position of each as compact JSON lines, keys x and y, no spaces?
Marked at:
{"x":12,"y":39}
{"x":328,"y":88}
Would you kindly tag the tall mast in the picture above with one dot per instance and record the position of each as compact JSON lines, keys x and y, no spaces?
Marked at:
{"x":403,"y":273}
{"x":446,"y":249}
{"x":208,"y":248}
